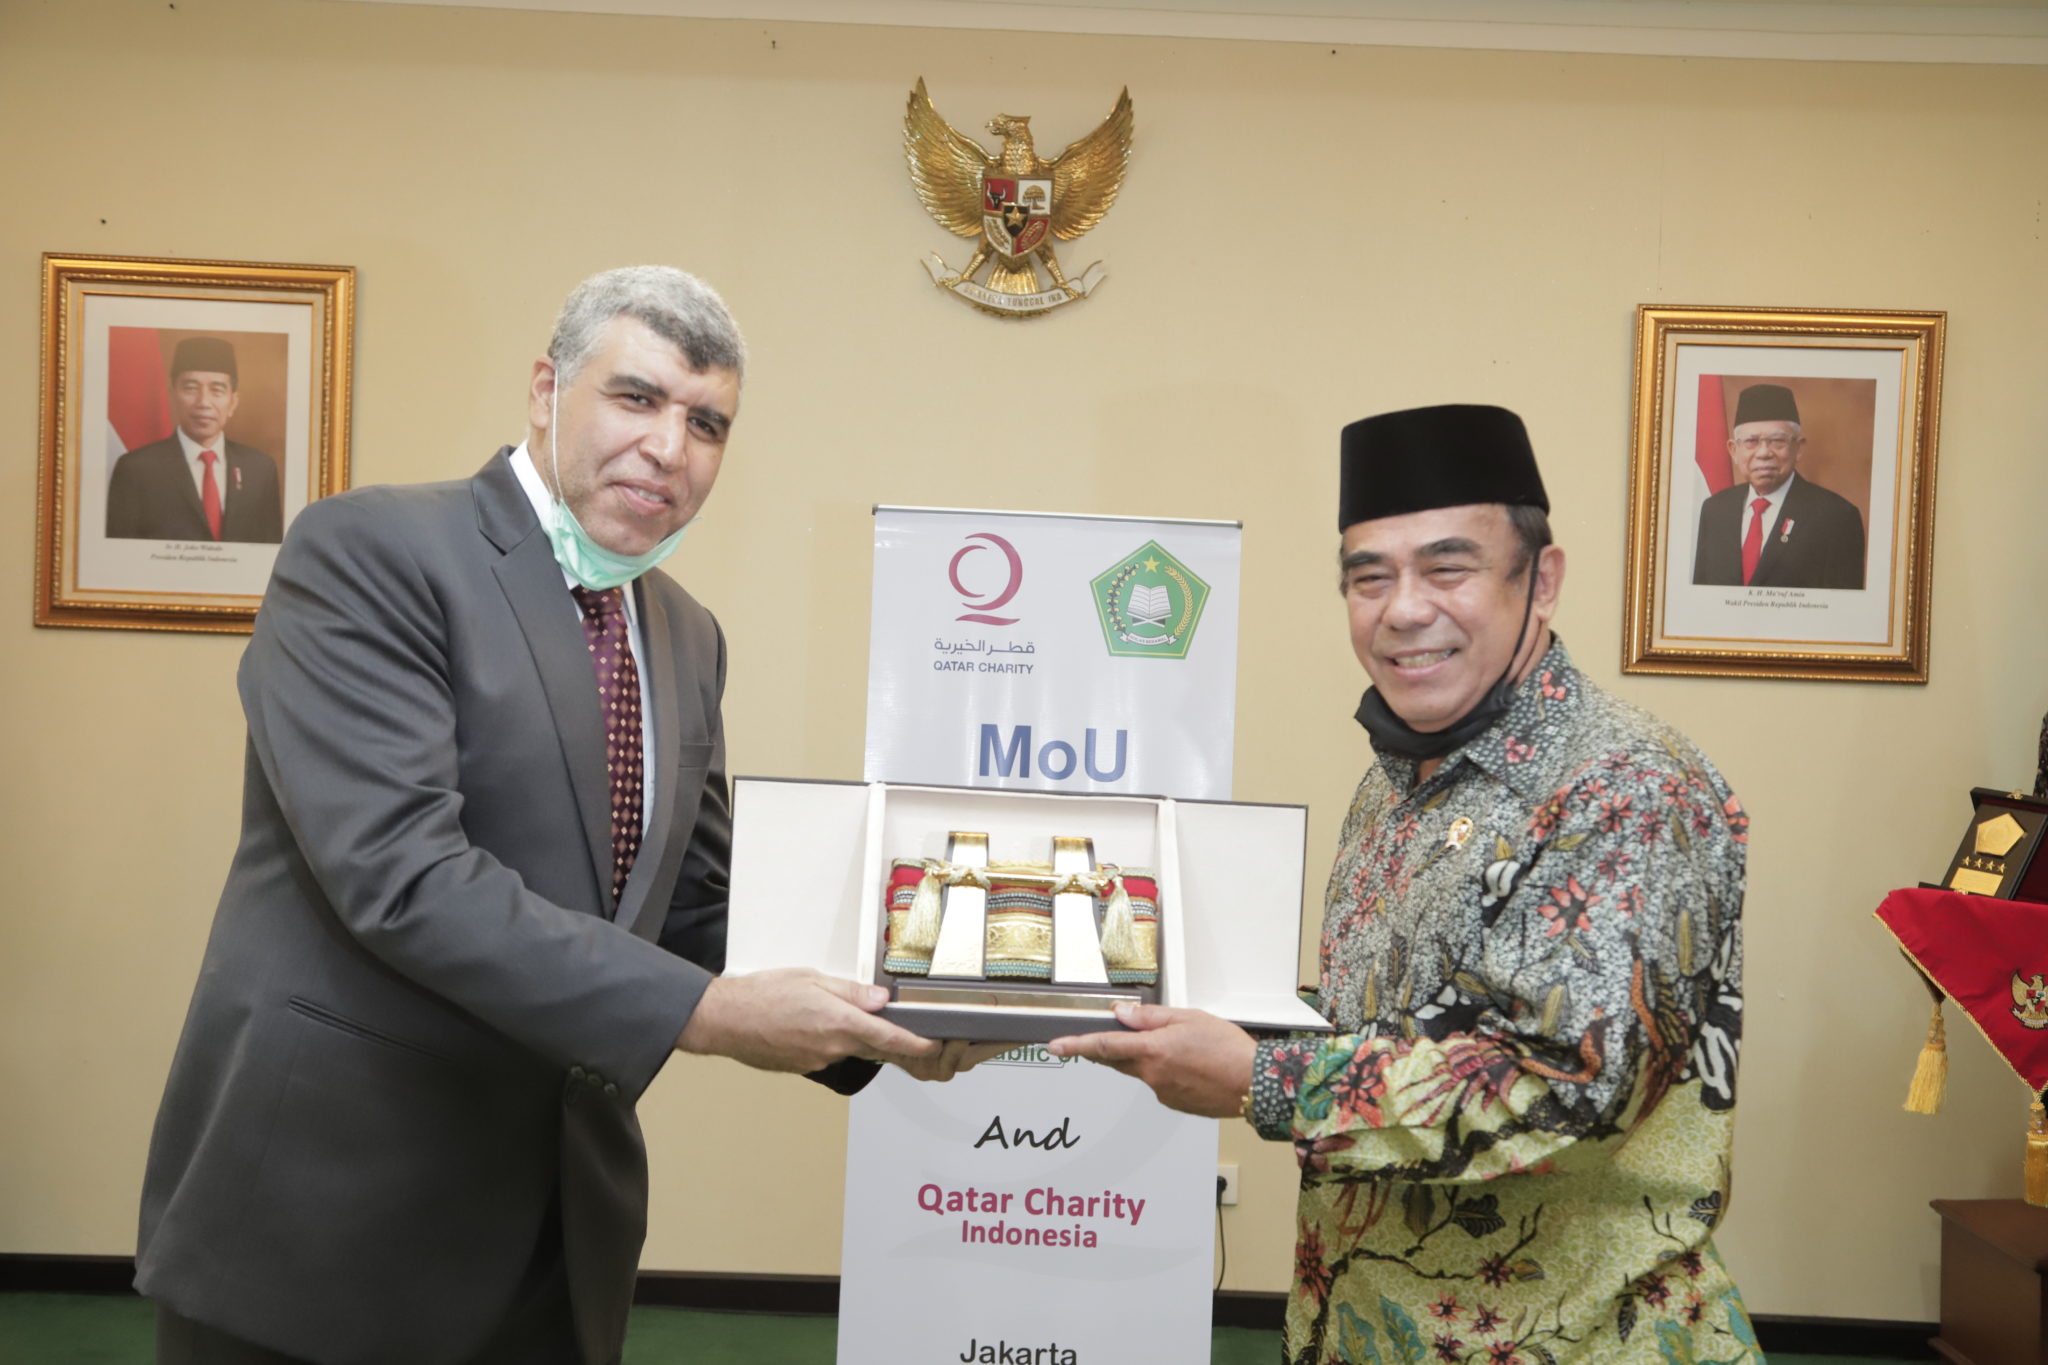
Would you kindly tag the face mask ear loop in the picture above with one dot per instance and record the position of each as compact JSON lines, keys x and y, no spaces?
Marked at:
{"x":555,"y":429}
{"x":1528,"y":608}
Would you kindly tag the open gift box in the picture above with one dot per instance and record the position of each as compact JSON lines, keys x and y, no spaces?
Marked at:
{"x":812,"y":863}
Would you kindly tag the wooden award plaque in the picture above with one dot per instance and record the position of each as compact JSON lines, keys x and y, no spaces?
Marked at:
{"x":1997,"y":853}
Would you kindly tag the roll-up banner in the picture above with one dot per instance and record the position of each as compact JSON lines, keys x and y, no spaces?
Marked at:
{"x":1035,"y":1209}
{"x":1053,"y":653}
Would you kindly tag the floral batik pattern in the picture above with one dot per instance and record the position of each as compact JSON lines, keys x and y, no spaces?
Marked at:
{"x":1516,"y":1147}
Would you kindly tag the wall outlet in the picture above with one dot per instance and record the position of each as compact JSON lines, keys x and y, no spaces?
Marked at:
{"x":1226,"y":1183}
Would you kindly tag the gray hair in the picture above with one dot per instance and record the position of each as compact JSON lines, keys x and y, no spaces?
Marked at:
{"x":676,"y":306}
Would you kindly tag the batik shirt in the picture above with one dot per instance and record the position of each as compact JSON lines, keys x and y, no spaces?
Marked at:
{"x":1516,"y":1146}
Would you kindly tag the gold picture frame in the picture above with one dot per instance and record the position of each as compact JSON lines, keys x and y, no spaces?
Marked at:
{"x":139,"y":527}
{"x":1829,"y":580}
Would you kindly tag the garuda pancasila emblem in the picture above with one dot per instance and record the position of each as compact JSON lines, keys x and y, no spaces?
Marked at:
{"x":2030,"y":1001}
{"x":1016,"y":202}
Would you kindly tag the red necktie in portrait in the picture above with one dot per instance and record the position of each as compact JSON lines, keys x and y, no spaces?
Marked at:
{"x":209,"y":494}
{"x":618,"y":698}
{"x":1753,"y":542}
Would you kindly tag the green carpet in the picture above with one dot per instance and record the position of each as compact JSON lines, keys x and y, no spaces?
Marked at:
{"x":86,"y":1329}
{"x":75,"y":1329}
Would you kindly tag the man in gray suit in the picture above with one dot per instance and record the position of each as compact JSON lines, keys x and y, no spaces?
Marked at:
{"x":478,"y":900}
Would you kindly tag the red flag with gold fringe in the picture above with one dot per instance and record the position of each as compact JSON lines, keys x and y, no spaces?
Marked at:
{"x":1989,"y":956}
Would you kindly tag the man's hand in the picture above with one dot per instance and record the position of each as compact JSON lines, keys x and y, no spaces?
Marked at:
{"x":1193,"y":1061}
{"x":956,"y":1056}
{"x":795,"y":1019}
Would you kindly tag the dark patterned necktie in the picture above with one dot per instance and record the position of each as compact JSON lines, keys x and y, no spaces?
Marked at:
{"x":618,"y":697}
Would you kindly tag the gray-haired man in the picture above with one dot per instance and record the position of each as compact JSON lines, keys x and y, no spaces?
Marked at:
{"x":480,"y":892}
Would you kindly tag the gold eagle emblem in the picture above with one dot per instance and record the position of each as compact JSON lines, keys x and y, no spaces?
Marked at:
{"x":1016,"y":202}
{"x":2030,"y":1001}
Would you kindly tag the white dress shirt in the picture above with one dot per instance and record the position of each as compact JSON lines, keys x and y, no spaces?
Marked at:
{"x":1770,"y":513}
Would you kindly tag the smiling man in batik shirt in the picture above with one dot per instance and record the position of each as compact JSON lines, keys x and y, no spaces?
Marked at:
{"x":1515,"y":1147}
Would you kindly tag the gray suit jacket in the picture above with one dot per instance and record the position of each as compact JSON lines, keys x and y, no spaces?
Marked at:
{"x":418,"y":1023}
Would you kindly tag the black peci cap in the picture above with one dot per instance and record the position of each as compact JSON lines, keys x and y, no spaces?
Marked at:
{"x":210,"y":355}
{"x":1766,"y":403}
{"x":1448,"y":456}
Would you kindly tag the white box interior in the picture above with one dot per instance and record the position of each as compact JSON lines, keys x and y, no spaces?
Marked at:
{"x":1240,"y":872}
{"x":797,"y":862}
{"x":809,"y":860}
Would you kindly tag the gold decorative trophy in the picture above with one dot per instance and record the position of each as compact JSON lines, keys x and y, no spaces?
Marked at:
{"x":1996,"y":855}
{"x":1061,"y":934}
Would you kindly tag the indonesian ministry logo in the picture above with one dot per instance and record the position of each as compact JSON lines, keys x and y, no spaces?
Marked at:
{"x":1149,"y":604}
{"x":1015,"y":203}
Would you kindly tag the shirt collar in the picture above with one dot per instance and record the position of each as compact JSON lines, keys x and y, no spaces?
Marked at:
{"x":192,"y":447}
{"x":1776,"y":500}
{"x":530,"y":483}
{"x":537,"y":493}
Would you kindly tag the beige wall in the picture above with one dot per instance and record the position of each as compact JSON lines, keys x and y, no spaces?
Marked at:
{"x":1308,"y":235}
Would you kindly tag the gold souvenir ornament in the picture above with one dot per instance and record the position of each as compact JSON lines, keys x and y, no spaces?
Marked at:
{"x":969,"y":929}
{"x":963,"y":910}
{"x":1016,"y":202}
{"x":1996,"y":836}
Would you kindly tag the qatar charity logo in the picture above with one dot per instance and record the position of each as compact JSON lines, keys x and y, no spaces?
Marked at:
{"x":986,"y":582}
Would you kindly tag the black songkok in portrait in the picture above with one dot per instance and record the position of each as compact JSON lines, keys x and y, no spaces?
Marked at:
{"x":1455,"y":455}
{"x":1766,"y":403}
{"x":208,"y":355}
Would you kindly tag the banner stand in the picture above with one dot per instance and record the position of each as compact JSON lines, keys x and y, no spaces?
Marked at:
{"x":1039,"y":1209}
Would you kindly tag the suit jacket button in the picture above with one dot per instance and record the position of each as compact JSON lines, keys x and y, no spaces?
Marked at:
{"x":576,"y":1073}
{"x":611,"y":1089}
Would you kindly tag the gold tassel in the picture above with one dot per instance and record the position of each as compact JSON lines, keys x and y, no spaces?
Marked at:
{"x":1119,"y":929}
{"x":2037,"y":1156}
{"x":921,"y":925}
{"x":1930,"y":1075}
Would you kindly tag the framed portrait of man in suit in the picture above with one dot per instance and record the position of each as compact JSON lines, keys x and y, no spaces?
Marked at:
{"x":1781,"y":493}
{"x":190,"y":409}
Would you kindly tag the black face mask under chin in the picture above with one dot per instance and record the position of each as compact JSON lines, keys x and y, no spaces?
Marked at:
{"x":1392,"y":735}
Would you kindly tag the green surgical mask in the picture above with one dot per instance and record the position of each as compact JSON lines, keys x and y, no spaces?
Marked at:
{"x":588,"y":562}
{"x":582,"y":558}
